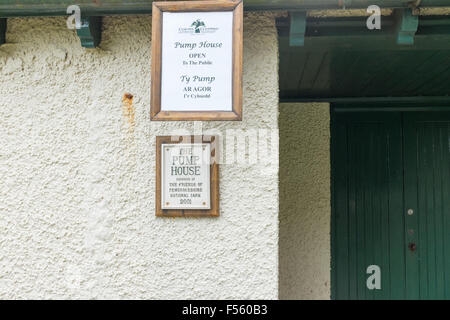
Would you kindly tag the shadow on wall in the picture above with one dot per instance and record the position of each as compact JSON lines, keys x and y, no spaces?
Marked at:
{"x":305,"y":211}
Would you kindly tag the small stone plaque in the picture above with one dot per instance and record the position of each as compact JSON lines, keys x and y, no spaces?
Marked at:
{"x":185,"y":176}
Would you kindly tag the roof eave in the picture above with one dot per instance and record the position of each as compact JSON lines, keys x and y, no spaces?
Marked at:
{"x":23,"y":8}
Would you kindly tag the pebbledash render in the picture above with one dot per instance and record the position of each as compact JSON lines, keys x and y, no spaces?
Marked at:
{"x":324,"y":100}
{"x":77,"y":173}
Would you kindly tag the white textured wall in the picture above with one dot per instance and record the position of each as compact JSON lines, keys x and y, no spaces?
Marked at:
{"x":305,"y":206}
{"x":77,"y":173}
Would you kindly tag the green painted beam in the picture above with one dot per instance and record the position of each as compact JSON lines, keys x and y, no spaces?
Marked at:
{"x":2,"y":31}
{"x":350,"y":33}
{"x":16,"y":8}
{"x":385,"y":102}
{"x":407,"y":26}
{"x":90,"y":32}
{"x":297,"y":28}
{"x":364,"y":43}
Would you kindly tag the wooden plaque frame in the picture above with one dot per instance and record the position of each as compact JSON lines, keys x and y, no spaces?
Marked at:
{"x":214,"y":177}
{"x":158,"y":8}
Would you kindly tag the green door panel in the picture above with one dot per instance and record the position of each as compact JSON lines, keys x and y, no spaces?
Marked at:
{"x":427,"y":193}
{"x":367,"y":205}
{"x":391,"y":204}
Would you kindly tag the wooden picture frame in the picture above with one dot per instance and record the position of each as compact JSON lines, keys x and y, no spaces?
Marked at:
{"x":214,"y":176}
{"x":158,"y":8}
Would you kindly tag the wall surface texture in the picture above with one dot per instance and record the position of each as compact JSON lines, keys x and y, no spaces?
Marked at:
{"x":304,"y":201}
{"x":77,"y":173}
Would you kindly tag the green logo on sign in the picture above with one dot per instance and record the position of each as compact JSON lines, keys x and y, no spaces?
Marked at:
{"x":197,"y":24}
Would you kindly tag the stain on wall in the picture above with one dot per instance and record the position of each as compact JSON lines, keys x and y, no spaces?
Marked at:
{"x":128,"y":110}
{"x":305,"y":205}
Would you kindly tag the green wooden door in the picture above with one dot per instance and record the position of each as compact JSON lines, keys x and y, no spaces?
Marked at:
{"x":391,"y":205}
{"x":427,"y":196}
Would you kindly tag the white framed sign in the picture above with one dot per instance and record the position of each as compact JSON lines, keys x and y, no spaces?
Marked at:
{"x":196,"y":66}
{"x":197,"y":60}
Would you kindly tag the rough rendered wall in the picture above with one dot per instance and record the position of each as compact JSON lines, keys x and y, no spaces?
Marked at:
{"x":77,"y":173}
{"x":304,"y":201}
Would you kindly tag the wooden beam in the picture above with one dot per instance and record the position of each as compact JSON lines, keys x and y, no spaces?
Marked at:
{"x":297,"y":28}
{"x":20,"y":8}
{"x":365,"y":43}
{"x":407,"y":25}
{"x":432,"y":101}
{"x":90,"y":33}
{"x":2,"y":31}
